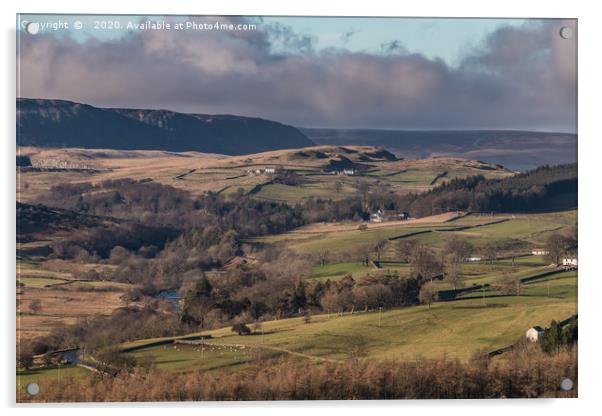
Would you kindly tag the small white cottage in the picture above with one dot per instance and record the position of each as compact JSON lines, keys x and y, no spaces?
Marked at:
{"x":539,"y":252}
{"x":569,"y":261}
{"x":474,"y":258}
{"x":534,"y":333}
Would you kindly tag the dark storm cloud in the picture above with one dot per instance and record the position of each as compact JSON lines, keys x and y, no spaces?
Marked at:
{"x":521,"y":77}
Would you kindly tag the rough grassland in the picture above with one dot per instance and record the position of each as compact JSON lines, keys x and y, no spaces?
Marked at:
{"x":59,"y":307}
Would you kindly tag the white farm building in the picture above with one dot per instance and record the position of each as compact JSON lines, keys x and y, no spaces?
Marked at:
{"x":569,"y":261}
{"x":534,"y":333}
{"x":474,"y":258}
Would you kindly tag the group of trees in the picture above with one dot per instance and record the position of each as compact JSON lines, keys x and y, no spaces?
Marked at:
{"x":545,"y":188}
{"x":560,"y":244}
{"x":94,"y":244}
{"x":100,"y":332}
{"x":557,"y":336}
{"x":157,"y":205}
{"x":369,"y":293}
{"x":428,"y":264}
{"x":250,"y":293}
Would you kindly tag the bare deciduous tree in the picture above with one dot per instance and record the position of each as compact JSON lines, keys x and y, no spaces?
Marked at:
{"x":427,"y":294}
{"x":379,"y":249}
{"x":425,"y":264}
{"x":557,"y":245}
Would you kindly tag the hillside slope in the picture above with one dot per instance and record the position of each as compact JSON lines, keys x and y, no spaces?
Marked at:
{"x":548,"y":188}
{"x":59,"y":123}
{"x":311,"y":172}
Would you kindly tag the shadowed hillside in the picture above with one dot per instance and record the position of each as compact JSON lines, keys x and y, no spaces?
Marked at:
{"x":58,"y":123}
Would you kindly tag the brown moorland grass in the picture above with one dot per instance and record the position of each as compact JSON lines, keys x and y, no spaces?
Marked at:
{"x":59,"y":307}
{"x":521,"y":374}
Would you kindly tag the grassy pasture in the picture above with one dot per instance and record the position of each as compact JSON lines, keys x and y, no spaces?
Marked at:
{"x":292,"y":194}
{"x":519,"y":233}
{"x":561,"y":284}
{"x":474,"y":276}
{"x":357,"y":270}
{"x":181,"y":357}
{"x":346,"y":241}
{"x":338,"y":269}
{"x":559,"y":287}
{"x":456,"y":328}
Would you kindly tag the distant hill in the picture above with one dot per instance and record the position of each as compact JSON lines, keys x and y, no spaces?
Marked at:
{"x":518,"y":150}
{"x":59,"y":123}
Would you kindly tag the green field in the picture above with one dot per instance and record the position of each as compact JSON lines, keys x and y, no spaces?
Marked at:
{"x":46,"y":374}
{"x":357,"y":270}
{"x":293,"y":194}
{"x":180,"y":357}
{"x":339,"y":270}
{"x":341,"y":241}
{"x":519,"y":234}
{"x":457,"y":329}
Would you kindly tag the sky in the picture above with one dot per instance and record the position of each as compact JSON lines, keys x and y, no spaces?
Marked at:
{"x":384,"y":73}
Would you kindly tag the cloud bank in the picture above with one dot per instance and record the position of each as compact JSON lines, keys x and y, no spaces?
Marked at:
{"x":516,"y":78}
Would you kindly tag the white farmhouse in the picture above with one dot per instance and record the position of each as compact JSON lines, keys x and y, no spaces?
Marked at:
{"x":377,"y":216}
{"x":540,"y":252}
{"x":569,"y":261}
{"x":534,"y":333}
{"x":474,"y":258}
